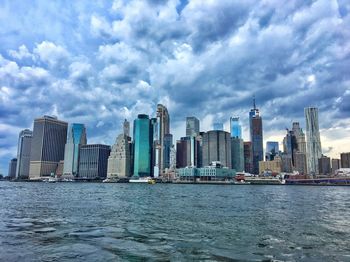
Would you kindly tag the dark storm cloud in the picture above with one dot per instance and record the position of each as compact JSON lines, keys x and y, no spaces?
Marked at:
{"x":100,"y":62}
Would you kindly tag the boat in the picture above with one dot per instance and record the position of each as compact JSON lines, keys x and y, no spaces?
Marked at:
{"x":142,"y":180}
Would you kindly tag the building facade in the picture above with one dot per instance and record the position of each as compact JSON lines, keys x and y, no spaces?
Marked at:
{"x":119,"y":160}
{"x":274,"y":166}
{"x":163,"y":120}
{"x":126,"y":128}
{"x":216,"y":147}
{"x":47,"y":147}
{"x":235,"y":127}
{"x":248,"y":157}
{"x":192,"y":126}
{"x":313,"y":141}
{"x":335,"y":165}
{"x":300,"y":163}
{"x":23,"y":154}
{"x":187,"y":152}
{"x":345,"y":160}
{"x":93,"y":161}
{"x":237,"y":154}
{"x":256,"y":137}
{"x":12,"y":168}
{"x":76,"y":138}
{"x":142,"y":148}
{"x":324,"y":165}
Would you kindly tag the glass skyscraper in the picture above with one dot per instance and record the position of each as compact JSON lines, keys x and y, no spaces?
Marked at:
{"x":143,"y":140}
{"x":192,"y":126}
{"x":313,"y":141}
{"x":235,"y":127}
{"x":256,"y":137}
{"x":272,"y":149}
{"x":76,"y":138}
{"x":23,"y":153}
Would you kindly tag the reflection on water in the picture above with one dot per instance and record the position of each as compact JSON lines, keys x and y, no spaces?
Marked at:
{"x":108,"y":222}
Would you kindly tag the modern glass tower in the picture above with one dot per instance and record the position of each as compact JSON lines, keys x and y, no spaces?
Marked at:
{"x":313,"y":141}
{"x":47,"y":148}
{"x":237,"y":154}
{"x":143,"y":140}
{"x":256,"y":137}
{"x":235,"y":127}
{"x":163,"y":120}
{"x":23,"y":153}
{"x":76,"y":138}
{"x":192,"y":126}
{"x":272,"y":150}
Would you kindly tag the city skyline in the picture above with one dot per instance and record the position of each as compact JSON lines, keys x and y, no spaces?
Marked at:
{"x":96,"y":65}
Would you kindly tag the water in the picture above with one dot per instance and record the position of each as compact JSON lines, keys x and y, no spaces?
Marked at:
{"x":135,"y":222}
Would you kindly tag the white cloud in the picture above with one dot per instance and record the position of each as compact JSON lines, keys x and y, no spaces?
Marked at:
{"x":50,"y":53}
{"x":22,"y":52}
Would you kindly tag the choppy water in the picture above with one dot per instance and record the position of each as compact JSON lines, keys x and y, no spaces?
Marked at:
{"x":133,"y":222}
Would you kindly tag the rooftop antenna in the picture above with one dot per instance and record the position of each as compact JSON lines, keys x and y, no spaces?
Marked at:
{"x":254,"y":102}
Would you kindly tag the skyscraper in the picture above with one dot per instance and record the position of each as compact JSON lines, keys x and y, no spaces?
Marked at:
{"x":256,"y":137}
{"x":335,"y":165}
{"x":248,"y":157}
{"x":47,"y":148}
{"x":218,"y":126}
{"x":126,"y":128}
{"x":345,"y":160}
{"x":313,"y":143}
{"x":272,"y":150}
{"x":76,"y":138}
{"x":168,"y":143}
{"x":143,"y":140}
{"x":324,"y":165}
{"x":217,"y":147}
{"x":192,"y":126}
{"x":93,"y":161}
{"x":119,"y":160}
{"x":187,"y":152}
{"x":23,"y":153}
{"x":12,"y":168}
{"x":235,"y":127}
{"x":290,"y":145}
{"x":164,"y":129}
{"x":237,"y":154}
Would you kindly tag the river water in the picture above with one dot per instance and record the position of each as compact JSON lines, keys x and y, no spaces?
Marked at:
{"x":165,"y":222}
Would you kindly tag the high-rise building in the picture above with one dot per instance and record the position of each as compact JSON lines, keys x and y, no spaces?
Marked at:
{"x":164,"y":129}
{"x":237,"y":154}
{"x":248,"y":157}
{"x":168,"y":143}
{"x":300,"y":136}
{"x":286,"y":162}
{"x":187,"y":149}
{"x":300,"y":163}
{"x":345,"y":160}
{"x":216,"y":147}
{"x":12,"y":168}
{"x":313,"y":143}
{"x":256,"y":137}
{"x":76,"y":138}
{"x":235,"y":127}
{"x":324,"y":165}
{"x":23,"y":153}
{"x":126,"y":128}
{"x":47,"y":148}
{"x":93,"y":161}
{"x":119,"y":160}
{"x":192,"y":126}
{"x":290,"y":145}
{"x":142,"y":149}
{"x":335,"y":165}
{"x":272,"y":150}
{"x":218,"y":126}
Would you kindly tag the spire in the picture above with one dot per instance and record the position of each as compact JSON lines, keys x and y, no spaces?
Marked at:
{"x":254,"y":102}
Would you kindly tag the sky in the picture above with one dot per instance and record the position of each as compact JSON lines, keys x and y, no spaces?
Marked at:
{"x":99,"y":62}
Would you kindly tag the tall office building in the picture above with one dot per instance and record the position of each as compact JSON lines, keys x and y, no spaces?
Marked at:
{"x":324,"y":165}
{"x":300,"y":163}
{"x":47,"y":148}
{"x":300,"y":136}
{"x":164,"y":129}
{"x":313,"y":141}
{"x":237,"y":154}
{"x":126,"y":128}
{"x":290,"y":145}
{"x":119,"y":160}
{"x":218,"y":126}
{"x":345,"y":160}
{"x":93,"y":161}
{"x":12,"y":168}
{"x":142,"y":149}
{"x":335,"y":165}
{"x":235,"y":127}
{"x":76,"y":138}
{"x":187,"y":151}
{"x":248,"y":157}
{"x":272,"y":150}
{"x":23,"y":153}
{"x":256,"y":137}
{"x":192,"y":126}
{"x":168,"y":143}
{"x":216,"y":147}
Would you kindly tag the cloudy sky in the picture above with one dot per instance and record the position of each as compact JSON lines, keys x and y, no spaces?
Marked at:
{"x":98,"y":62}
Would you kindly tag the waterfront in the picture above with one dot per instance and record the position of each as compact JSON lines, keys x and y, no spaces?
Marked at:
{"x":107,"y":222}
